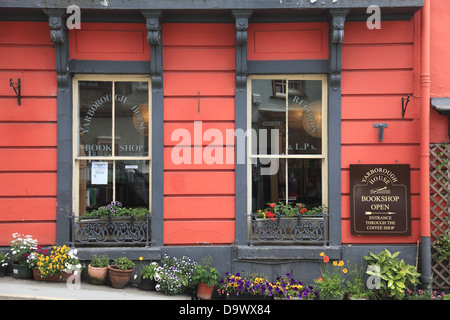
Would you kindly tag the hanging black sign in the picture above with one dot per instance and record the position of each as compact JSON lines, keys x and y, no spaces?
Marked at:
{"x":380,"y":200}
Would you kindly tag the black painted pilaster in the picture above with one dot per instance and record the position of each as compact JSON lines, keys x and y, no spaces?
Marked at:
{"x":154,"y":38}
{"x":336,"y":38}
{"x":240,"y":112}
{"x":60,"y":37}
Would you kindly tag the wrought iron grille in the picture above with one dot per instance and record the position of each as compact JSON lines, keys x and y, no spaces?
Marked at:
{"x":114,"y":231}
{"x":285,"y":230}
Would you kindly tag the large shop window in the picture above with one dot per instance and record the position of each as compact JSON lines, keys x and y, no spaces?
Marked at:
{"x":112,"y":154}
{"x":288,"y":145}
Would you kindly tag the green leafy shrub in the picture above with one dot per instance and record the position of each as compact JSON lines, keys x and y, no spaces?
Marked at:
{"x":394,"y":275}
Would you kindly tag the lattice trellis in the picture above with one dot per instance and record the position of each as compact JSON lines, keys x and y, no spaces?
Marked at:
{"x":439,"y":196}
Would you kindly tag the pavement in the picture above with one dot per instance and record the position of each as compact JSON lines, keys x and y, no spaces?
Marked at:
{"x":24,"y":289}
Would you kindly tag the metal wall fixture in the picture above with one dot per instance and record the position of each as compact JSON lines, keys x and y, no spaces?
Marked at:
{"x":404,"y":105}
{"x":17,"y":89}
{"x":380,"y":127}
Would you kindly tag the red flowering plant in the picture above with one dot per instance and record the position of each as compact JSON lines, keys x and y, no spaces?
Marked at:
{"x":288,"y":210}
{"x":331,"y":282}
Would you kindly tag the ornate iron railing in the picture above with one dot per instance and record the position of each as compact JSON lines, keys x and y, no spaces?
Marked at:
{"x":289,"y":230}
{"x":116,"y":231}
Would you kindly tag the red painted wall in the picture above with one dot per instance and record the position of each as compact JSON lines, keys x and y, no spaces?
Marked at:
{"x":440,"y":66}
{"x":288,"y":41}
{"x":198,"y":64}
{"x":379,"y":68}
{"x":109,"y":41}
{"x":27,"y":132}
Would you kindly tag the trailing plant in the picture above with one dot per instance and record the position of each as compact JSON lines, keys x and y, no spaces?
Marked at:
{"x":123,"y":263}
{"x":100,"y":262}
{"x":392,"y":274}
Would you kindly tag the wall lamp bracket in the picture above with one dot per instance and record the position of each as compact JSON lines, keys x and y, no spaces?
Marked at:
{"x":17,"y":89}
{"x":380,"y":127}
{"x":405,"y":102}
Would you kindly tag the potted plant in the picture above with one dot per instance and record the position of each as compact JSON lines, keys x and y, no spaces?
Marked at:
{"x":287,"y":288}
{"x":330,"y":285}
{"x":148,"y":274}
{"x":120,"y":272}
{"x":355,"y":288}
{"x":393,"y":275}
{"x":98,"y":269}
{"x":206,"y":277}
{"x":58,"y":264}
{"x":4,"y":264}
{"x":21,"y":247}
{"x":175,"y":275}
{"x":109,"y":220}
{"x":252,"y":286}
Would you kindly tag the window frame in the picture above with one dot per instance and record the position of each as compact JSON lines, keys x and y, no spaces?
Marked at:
{"x":76,"y":158}
{"x":324,"y":154}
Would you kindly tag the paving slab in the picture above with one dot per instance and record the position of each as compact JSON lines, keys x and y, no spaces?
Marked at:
{"x":23,"y":289}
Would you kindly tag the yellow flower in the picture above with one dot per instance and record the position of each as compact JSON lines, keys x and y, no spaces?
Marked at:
{"x":335,"y":263}
{"x":344,"y":270}
{"x":141,"y":258}
{"x":322,"y":254}
{"x":341,"y":263}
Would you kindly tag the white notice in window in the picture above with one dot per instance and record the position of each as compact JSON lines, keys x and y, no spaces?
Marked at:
{"x":99,"y":173}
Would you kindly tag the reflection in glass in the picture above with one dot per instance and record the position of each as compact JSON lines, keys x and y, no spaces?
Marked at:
{"x":132,"y":183}
{"x":300,"y":182}
{"x":268,"y":185}
{"x":131,"y":118}
{"x":305,"y":181}
{"x":92,"y":194}
{"x":95,"y":118}
{"x":305,"y":117}
{"x":268,"y":117}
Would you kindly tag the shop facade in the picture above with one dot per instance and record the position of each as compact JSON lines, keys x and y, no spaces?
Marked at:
{"x":204,"y":113}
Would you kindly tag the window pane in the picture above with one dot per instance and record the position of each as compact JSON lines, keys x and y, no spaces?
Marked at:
{"x":132,"y":183}
{"x":268,"y":116}
{"x":96,"y":184}
{"x":95,"y":124}
{"x":268,"y":182}
{"x":131,"y":118}
{"x":305,"y":181}
{"x":305,"y":117}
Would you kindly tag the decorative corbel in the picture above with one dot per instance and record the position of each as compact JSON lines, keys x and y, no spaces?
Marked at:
{"x":241,"y":17}
{"x":337,"y":22}
{"x":154,"y":39}
{"x":59,"y":36}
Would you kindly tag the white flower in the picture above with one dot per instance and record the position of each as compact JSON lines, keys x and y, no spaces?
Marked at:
{"x":157,"y":287}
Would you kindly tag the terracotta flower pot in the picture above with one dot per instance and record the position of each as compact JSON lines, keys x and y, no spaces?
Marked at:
{"x":97,"y":276}
{"x":204,"y":292}
{"x":59,"y":277}
{"x":119,"y":278}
